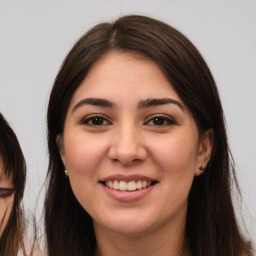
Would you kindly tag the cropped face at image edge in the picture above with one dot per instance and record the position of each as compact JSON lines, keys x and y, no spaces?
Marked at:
{"x":6,"y":202}
{"x":131,"y":147}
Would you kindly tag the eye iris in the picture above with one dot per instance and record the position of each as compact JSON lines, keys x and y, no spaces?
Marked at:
{"x":97,"y":121}
{"x":158,"y":121}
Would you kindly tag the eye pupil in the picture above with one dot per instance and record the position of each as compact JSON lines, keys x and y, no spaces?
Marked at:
{"x":158,"y":121}
{"x":97,"y":121}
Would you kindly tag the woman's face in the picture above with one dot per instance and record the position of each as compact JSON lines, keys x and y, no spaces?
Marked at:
{"x":131,"y":147}
{"x":6,"y":202}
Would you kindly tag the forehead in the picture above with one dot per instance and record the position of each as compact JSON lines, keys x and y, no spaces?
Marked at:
{"x":123,"y":75}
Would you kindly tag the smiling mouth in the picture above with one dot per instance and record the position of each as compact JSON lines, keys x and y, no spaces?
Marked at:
{"x":128,"y":186}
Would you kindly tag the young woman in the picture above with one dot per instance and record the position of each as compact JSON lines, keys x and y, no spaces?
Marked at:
{"x":12,"y":183}
{"x":139,"y":157}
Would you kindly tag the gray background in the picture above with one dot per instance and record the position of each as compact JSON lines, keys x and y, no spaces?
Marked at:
{"x":36,"y":35}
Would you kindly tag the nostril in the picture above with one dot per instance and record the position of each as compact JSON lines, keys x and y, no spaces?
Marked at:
{"x":127,"y":157}
{"x":127,"y":149}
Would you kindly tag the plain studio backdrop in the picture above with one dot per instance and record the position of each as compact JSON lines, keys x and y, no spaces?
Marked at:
{"x":35,"y":36}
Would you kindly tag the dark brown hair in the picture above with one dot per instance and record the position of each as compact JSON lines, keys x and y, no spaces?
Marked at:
{"x":11,"y":240}
{"x":211,"y":226}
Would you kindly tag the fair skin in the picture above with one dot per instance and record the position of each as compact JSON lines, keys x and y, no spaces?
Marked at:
{"x":6,"y":203}
{"x":126,"y":127}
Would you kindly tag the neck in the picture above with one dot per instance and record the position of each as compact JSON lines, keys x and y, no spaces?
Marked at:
{"x":160,"y":242}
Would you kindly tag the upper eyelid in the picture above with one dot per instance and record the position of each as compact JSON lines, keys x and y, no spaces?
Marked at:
{"x":107,"y":118}
{"x":168,"y":119}
{"x":4,"y":192}
{"x":94,"y":116}
{"x":160,"y":116}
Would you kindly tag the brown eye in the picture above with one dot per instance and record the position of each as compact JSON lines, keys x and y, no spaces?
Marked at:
{"x":4,"y":192}
{"x":160,"y":121}
{"x":95,"y":120}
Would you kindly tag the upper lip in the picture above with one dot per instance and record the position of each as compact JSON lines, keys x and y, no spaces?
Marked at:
{"x":127,"y":178}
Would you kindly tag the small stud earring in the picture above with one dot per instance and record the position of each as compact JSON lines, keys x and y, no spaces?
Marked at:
{"x":202,"y":168}
{"x":66,"y":173}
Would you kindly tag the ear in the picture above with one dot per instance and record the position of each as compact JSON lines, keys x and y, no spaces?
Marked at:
{"x":60,"y":144}
{"x":204,"y":151}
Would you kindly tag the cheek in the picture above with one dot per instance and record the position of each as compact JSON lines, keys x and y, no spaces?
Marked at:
{"x":176,"y":158}
{"x":177,"y":161}
{"x":177,"y":154}
{"x":82,"y":155}
{"x":6,"y":205}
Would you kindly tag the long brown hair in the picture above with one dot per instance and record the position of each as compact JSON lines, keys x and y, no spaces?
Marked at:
{"x":211,"y":226}
{"x":11,"y":240}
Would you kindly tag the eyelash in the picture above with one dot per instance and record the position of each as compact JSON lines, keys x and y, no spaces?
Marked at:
{"x":87,"y":120}
{"x":162,"y":121}
{"x":102,"y":120}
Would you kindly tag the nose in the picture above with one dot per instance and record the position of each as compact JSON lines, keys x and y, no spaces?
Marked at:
{"x":127,"y":146}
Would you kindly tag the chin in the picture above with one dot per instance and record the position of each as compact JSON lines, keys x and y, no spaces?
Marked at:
{"x":128,"y":224}
{"x":128,"y":229}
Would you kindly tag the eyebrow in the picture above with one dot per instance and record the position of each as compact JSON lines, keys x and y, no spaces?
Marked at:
{"x":157,"y":102}
{"x":142,"y":104}
{"x":95,"y":102}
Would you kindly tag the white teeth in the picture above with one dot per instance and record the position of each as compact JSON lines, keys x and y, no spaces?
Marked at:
{"x":123,"y":185}
{"x":116,"y":185}
{"x":139,"y":184}
{"x":111,"y":185}
{"x":131,"y":185}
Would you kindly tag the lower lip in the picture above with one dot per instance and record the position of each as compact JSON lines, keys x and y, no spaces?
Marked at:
{"x":128,"y":196}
